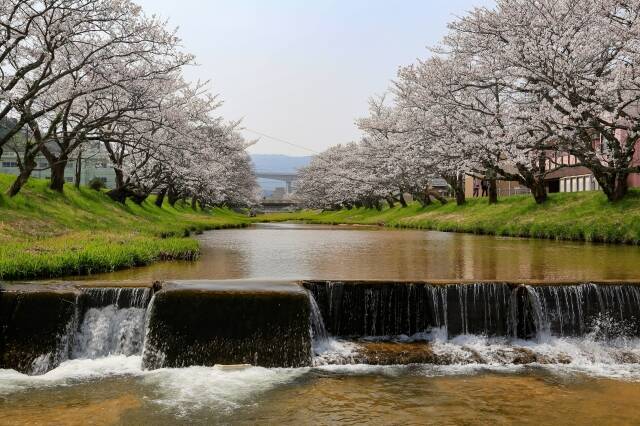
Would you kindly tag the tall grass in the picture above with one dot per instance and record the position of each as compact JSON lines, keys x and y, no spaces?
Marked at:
{"x":585,"y":216}
{"x":44,"y":234}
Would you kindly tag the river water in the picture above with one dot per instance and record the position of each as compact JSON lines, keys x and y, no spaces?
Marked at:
{"x":574,"y":379}
{"x":288,"y":250}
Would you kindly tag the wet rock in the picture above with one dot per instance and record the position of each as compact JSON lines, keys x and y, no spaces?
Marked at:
{"x":394,"y":353}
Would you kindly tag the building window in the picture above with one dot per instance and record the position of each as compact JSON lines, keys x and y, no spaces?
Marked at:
{"x":9,"y":164}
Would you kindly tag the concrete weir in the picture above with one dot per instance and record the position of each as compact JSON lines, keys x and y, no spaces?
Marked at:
{"x":264,"y":323}
{"x":274,"y":323}
{"x":35,"y":322}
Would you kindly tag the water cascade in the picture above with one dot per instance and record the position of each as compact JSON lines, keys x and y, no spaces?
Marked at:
{"x":318,"y":329}
{"x":577,"y":310}
{"x":357,"y":309}
{"x":113,"y":322}
{"x":296,"y":324}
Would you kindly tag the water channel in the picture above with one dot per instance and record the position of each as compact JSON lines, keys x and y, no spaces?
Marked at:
{"x":593,"y":377}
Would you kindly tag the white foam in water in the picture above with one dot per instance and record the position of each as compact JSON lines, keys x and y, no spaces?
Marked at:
{"x":333,"y":351}
{"x":71,"y":371}
{"x":181,"y":389}
{"x":465,"y":354}
{"x":215,"y":388}
{"x":110,"y":331}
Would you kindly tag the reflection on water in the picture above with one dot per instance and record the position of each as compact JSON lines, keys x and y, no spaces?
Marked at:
{"x":347,"y":252}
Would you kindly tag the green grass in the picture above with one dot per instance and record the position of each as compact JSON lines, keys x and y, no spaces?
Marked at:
{"x":44,"y":234}
{"x":585,"y":216}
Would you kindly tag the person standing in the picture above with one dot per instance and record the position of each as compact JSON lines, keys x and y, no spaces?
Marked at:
{"x":485,"y":188}
{"x":476,"y":187}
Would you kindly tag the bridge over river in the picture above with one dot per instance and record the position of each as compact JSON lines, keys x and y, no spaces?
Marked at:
{"x":287,"y":177}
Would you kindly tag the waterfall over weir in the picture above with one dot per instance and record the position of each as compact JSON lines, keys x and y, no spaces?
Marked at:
{"x":296,"y":324}
{"x":113,"y":322}
{"x":358,"y":309}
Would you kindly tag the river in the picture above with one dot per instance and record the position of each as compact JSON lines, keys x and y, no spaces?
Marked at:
{"x":575,"y":380}
{"x":297,"y":251}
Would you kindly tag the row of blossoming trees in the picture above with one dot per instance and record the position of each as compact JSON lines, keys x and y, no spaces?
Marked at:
{"x":76,"y":74}
{"x":507,"y":89}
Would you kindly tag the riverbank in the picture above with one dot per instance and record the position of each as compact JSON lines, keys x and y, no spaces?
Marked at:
{"x":44,"y":234}
{"x":584,"y":216}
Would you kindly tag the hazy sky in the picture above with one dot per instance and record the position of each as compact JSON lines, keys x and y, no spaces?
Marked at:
{"x":303,"y":70}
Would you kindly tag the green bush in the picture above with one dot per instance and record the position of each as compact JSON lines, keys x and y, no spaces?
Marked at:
{"x":97,"y":184}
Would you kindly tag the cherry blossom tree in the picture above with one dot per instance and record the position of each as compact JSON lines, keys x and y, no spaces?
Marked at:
{"x":81,"y":74}
{"x":577,"y":59}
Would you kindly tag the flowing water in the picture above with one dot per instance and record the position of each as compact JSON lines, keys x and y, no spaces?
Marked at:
{"x":413,"y":354}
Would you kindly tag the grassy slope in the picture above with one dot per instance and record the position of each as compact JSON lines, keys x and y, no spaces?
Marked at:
{"x":46,"y":234}
{"x":570,"y":216}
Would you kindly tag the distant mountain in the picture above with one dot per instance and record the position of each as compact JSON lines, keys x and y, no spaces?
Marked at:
{"x":279,"y":163}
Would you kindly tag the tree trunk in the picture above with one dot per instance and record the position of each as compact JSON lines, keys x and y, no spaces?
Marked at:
{"x":57,"y":174}
{"x":118,"y":194}
{"x":138,"y":197}
{"x":458,"y":189}
{"x":390,"y":202}
{"x":78,"y":169}
{"x":539,"y":191}
{"x":172,"y":196}
{"x":493,"y":190}
{"x":430,"y":192}
{"x":119,"y":178}
{"x":160,"y":197}
{"x":614,"y":185}
{"x":403,"y":202}
{"x":456,"y":182}
{"x":194,"y":203}
{"x":423,"y":198}
{"x":28,"y":166}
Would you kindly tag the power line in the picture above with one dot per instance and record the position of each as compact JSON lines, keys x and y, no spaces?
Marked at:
{"x":282,"y":141}
{"x":350,"y":178}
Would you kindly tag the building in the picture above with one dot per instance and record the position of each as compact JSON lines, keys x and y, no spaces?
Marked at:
{"x":574,"y":177}
{"x":569,"y":176}
{"x":95,"y":164}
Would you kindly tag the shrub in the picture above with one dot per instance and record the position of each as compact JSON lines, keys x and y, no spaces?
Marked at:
{"x":97,"y":184}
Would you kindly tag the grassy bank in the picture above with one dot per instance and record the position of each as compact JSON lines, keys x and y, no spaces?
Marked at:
{"x":585,"y":216}
{"x":44,"y":234}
